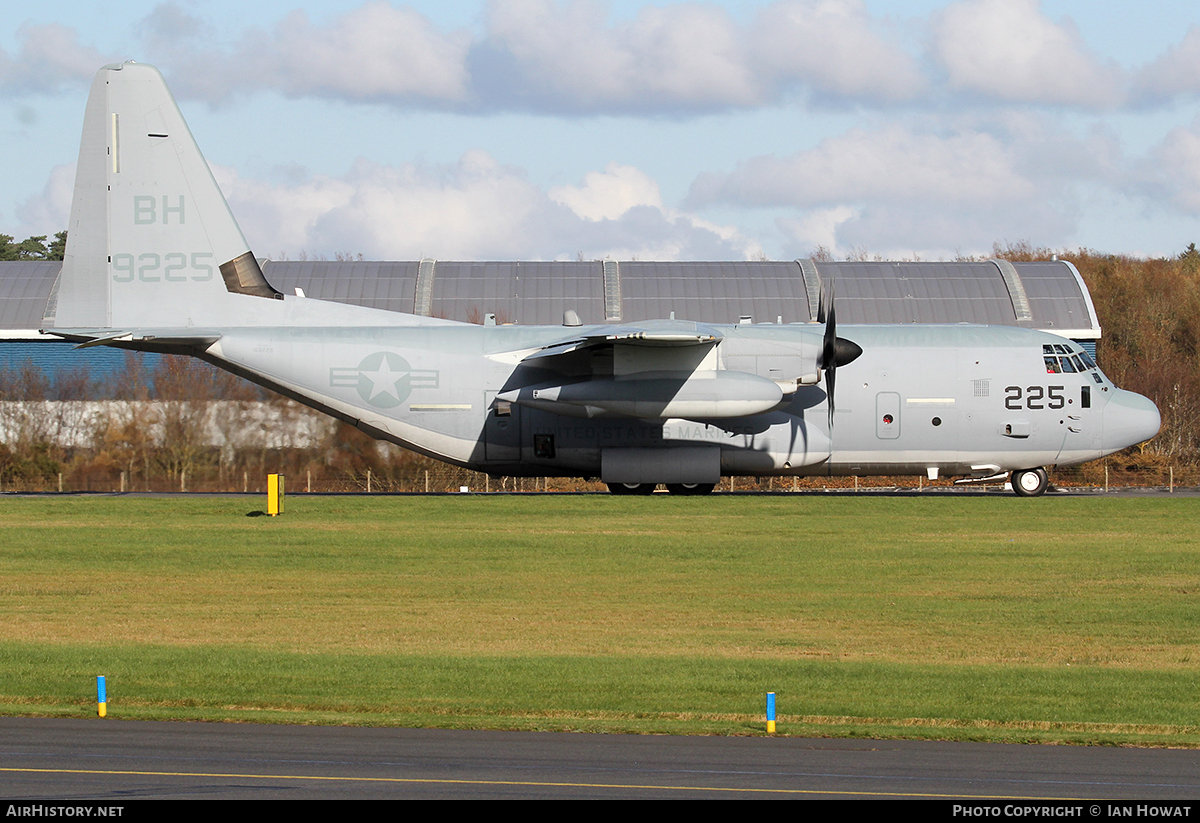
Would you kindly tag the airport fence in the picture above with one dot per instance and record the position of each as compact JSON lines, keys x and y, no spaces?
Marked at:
{"x":434,"y":478}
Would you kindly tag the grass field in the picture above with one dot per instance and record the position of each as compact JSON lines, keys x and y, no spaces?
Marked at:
{"x":965,"y":617}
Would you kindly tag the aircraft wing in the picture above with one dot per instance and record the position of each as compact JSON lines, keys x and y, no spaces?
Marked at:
{"x":666,"y":333}
{"x":658,"y":369}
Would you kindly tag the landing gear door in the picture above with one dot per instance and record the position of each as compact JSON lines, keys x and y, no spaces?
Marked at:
{"x":501,"y":430}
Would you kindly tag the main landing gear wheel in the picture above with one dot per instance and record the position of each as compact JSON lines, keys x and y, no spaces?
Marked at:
{"x":631,"y":488}
{"x":1030,"y":482}
{"x":691,"y":488}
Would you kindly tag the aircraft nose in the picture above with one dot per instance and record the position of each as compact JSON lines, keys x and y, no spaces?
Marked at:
{"x":1129,"y":419}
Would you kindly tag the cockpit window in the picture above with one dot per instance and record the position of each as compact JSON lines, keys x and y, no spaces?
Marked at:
{"x":1061,"y":359}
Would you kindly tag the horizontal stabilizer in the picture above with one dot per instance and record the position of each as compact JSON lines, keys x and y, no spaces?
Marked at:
{"x":105,"y":339}
{"x":139,"y":339}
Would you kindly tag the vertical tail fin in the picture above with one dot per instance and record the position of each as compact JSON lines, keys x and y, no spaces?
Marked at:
{"x":151,"y":240}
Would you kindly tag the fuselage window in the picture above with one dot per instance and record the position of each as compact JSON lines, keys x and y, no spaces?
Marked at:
{"x":1068,"y":365}
{"x":1051,"y":365}
{"x":543,"y":445}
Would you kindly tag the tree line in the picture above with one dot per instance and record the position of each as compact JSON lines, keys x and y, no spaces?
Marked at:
{"x":33,"y":248}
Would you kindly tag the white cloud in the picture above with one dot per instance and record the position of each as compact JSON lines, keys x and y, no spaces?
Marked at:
{"x":168,"y":26}
{"x":50,"y":58}
{"x":572,"y":56}
{"x":1173,"y":169}
{"x":833,"y":48}
{"x":279,"y":219}
{"x":568,"y":55}
{"x":892,"y":163}
{"x":48,"y":211}
{"x":895,"y":230}
{"x":550,"y":55}
{"x":900,"y":189}
{"x":1008,"y":50}
{"x":1175,"y":73}
{"x":373,"y":53}
{"x":609,"y":194}
{"x":475,"y":209}
{"x":817,"y":228}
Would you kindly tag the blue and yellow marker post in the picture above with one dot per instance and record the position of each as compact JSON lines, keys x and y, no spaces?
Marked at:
{"x":101,"y":696}
{"x":770,"y":712}
{"x":274,"y":494}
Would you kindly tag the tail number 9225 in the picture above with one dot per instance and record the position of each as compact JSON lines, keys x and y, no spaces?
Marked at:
{"x":173,"y":267}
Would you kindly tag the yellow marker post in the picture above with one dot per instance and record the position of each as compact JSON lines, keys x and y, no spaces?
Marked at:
{"x":101,"y":696}
{"x":770,"y":712}
{"x":274,"y":494}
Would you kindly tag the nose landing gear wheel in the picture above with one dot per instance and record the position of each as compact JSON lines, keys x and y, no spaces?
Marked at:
{"x":631,"y":488}
{"x":690,"y":488}
{"x":1030,"y":482}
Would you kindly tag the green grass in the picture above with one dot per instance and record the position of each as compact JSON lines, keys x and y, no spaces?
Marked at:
{"x":974,"y":618}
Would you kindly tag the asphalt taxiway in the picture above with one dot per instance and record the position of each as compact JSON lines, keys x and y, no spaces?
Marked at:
{"x":112,"y":761}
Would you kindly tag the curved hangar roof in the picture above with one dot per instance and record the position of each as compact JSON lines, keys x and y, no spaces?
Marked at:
{"x":1045,"y":295}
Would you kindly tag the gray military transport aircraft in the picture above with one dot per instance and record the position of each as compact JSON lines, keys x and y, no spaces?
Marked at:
{"x":156,"y":262}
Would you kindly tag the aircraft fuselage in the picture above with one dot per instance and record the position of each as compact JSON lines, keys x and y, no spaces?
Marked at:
{"x":961,"y":400}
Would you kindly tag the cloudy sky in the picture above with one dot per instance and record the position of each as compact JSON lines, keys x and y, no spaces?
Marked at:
{"x":550,"y":129}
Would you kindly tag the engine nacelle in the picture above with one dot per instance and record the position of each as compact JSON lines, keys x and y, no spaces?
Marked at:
{"x":717,"y":394}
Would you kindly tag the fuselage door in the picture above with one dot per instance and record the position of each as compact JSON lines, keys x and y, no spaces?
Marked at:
{"x":501,"y":430}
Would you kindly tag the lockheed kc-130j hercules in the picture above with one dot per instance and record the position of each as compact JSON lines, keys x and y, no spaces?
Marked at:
{"x":156,"y":262}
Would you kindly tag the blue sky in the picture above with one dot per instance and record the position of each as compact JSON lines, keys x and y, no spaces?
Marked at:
{"x":536,"y":129}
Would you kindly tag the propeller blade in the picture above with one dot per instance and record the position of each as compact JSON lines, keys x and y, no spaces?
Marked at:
{"x":830,"y":380}
{"x":825,"y":308}
{"x":829,"y":346}
{"x":835,"y":351}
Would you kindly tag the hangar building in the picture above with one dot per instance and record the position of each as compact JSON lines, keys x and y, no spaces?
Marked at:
{"x":1050,"y":295}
